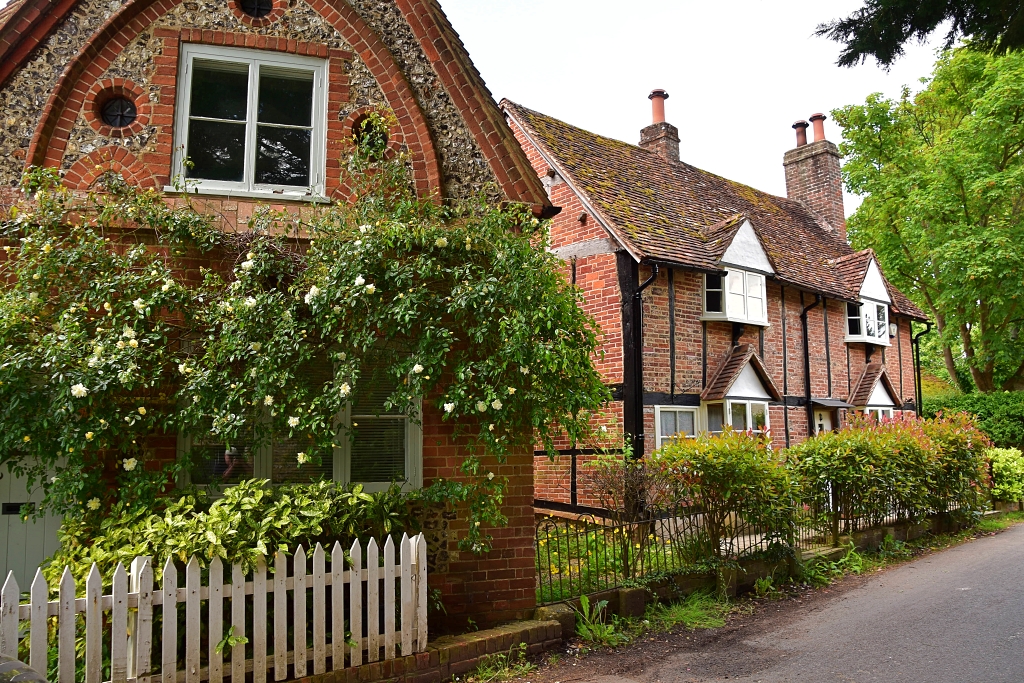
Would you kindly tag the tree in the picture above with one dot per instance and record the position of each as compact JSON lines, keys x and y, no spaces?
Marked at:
{"x":881,"y":28}
{"x":942,"y":174}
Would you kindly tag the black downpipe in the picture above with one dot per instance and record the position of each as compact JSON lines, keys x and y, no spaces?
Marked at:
{"x":638,"y":364}
{"x":807,"y":363}
{"x":919,"y":389}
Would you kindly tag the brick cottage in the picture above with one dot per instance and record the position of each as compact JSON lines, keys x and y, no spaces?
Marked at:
{"x":719,"y":304}
{"x":89,"y":86}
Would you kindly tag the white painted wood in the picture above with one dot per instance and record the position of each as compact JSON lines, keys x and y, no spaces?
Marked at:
{"x":259,"y":622}
{"x":93,"y":626}
{"x":192,"y":605}
{"x":300,"y":627}
{"x":142,"y":635}
{"x":748,"y":385}
{"x":10,"y":597}
{"x":319,"y":612}
{"x":389,"y":599}
{"x":169,"y":631}
{"x":237,"y":622}
{"x":873,"y":286}
{"x":215,"y":610}
{"x":66,"y":629}
{"x":119,"y":626}
{"x":746,"y":251}
{"x":372,"y":601}
{"x":406,"y":596}
{"x":337,"y":607}
{"x":280,"y":616}
{"x":37,"y":631}
{"x":355,"y":600}
{"x":880,"y":397}
{"x":421,"y":593}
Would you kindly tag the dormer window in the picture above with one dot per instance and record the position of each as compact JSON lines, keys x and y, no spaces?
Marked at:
{"x":867,"y":322}
{"x":737,"y":296}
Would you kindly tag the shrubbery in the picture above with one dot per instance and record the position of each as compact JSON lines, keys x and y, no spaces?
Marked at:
{"x":1007,"y":474}
{"x":1000,"y":415}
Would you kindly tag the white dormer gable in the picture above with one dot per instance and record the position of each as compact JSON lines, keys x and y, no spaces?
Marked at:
{"x":746,"y":251}
{"x":880,"y":397}
{"x":874,"y":286}
{"x":748,"y":385}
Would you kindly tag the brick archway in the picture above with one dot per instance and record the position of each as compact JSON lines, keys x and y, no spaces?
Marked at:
{"x":83,"y":173}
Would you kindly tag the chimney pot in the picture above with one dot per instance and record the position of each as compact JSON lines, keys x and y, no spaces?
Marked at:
{"x":819,"y":126}
{"x":801,"y":132}
{"x":657,"y":98}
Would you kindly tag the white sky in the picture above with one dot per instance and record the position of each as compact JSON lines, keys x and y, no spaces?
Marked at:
{"x":738,"y":73}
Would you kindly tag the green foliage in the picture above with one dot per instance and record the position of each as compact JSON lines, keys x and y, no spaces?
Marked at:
{"x":737,"y":480}
{"x":104,"y":345}
{"x":824,"y":572}
{"x":592,"y":626}
{"x":698,"y":610}
{"x":999,"y":415}
{"x":1007,"y":473}
{"x":503,"y":666}
{"x":251,"y":519}
{"x":943,"y":179}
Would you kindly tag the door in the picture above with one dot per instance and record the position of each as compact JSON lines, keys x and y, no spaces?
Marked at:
{"x":23,"y":545}
{"x":822,"y":420}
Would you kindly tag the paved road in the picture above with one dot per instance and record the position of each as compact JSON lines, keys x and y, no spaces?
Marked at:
{"x":950,"y":617}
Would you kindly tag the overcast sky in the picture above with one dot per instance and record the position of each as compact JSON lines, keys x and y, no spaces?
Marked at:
{"x":738,"y":73}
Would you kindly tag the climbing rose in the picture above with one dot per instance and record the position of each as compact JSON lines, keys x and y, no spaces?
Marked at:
{"x":129,"y":464}
{"x":79,"y":391}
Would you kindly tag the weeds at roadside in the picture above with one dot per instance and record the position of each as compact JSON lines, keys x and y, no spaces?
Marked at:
{"x":592,"y":624}
{"x":501,"y":667}
{"x":1007,"y":520}
{"x":697,"y":610}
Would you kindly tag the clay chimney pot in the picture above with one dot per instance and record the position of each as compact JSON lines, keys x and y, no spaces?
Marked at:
{"x":819,"y":126}
{"x":657,"y":98}
{"x":801,"y":132}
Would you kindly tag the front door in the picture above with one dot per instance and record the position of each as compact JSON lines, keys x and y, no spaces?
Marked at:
{"x":822,"y":420}
{"x":23,"y":545}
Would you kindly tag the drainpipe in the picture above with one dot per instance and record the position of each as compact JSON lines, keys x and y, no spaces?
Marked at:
{"x":638,"y":363}
{"x":807,"y":363}
{"x":919,"y":390}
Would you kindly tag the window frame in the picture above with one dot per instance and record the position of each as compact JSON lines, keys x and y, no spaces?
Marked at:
{"x":727,"y":406}
{"x":728,"y":314}
{"x":661,"y":439}
{"x":254,"y":58}
{"x":878,"y":412}
{"x":866,"y":306}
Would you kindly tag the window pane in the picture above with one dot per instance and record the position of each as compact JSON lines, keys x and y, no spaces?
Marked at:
{"x":283,"y":156}
{"x":736,"y":300}
{"x":286,"y":97}
{"x":378,"y":451}
{"x":286,"y":468}
{"x":668,"y":423}
{"x":869,"y":323}
{"x":217,"y":150}
{"x":853,"y":320}
{"x":716,"y":417}
{"x":216,"y":463}
{"x":883,"y":328}
{"x":686,"y":423}
{"x":714,"y":302}
{"x":220,"y":90}
{"x":739,"y":416}
{"x":713,"y":282}
{"x":759,"y":415}
{"x":755,"y":285}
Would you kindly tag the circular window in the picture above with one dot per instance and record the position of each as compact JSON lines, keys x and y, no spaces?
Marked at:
{"x":370,"y":133}
{"x":257,"y":8}
{"x":118,"y":112}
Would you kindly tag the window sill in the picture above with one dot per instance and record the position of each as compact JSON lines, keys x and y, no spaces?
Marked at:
{"x":248,"y":194}
{"x":713,"y":318}
{"x":867,"y":340}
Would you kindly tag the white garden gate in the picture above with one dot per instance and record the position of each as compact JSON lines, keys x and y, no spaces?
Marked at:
{"x":341,"y":613}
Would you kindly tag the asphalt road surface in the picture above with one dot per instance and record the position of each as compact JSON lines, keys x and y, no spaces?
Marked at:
{"x":955,"y":616}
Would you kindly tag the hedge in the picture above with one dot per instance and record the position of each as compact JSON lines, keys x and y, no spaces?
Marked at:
{"x":1000,"y":415}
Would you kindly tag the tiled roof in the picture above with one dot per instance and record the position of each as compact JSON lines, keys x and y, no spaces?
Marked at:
{"x":854,"y":268}
{"x":724,"y":376}
{"x":677,"y":214}
{"x":873,"y":373}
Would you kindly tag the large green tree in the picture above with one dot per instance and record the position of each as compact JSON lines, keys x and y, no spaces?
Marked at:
{"x":881,"y":28}
{"x":942,"y":175}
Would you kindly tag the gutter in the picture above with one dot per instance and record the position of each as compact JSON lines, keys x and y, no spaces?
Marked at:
{"x":807,"y":362}
{"x":638,"y":364}
{"x":919,"y":389}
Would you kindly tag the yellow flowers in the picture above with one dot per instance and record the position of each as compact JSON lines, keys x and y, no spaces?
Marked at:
{"x":26,"y":438}
{"x":142,"y":410}
{"x":89,"y":436}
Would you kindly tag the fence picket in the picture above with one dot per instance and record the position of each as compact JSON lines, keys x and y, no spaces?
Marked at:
{"x":421,"y":593}
{"x":355,"y":601}
{"x":192,"y":604}
{"x":10,"y":598}
{"x":143,"y":633}
{"x":119,"y":626}
{"x":299,"y":603}
{"x":37,"y":631}
{"x":337,"y":607}
{"x":389,"y":599}
{"x":372,"y":602}
{"x":215,"y":609}
{"x":280,"y":616}
{"x":259,"y":622}
{"x":319,"y":612}
{"x":93,"y":626}
{"x":66,"y":629}
{"x":237,"y":623}
{"x":169,"y":632}
{"x":406,"y":595}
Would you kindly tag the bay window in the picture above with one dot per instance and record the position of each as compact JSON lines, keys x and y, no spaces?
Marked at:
{"x":737,"y":296}
{"x":251,"y":122}
{"x":741,"y":415}
{"x":867,"y":322}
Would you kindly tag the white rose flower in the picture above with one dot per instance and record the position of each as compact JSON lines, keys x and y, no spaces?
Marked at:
{"x":345,"y":389}
{"x":250,"y":302}
{"x":302,"y":458}
{"x":417,"y":369}
{"x":490,"y":427}
{"x":247,"y":265}
{"x":370,"y":289}
{"x":251,"y":255}
{"x":88,"y":436}
{"x":166,"y":286}
{"x":481,"y":406}
{"x":128,"y":333}
{"x":142,"y":410}
{"x":441,"y":242}
{"x":268,"y":400}
{"x":79,"y":391}
{"x":139,"y":305}
{"x":256,"y":346}
{"x":134,"y":343}
{"x":490,"y":475}
{"x":129,"y":464}
{"x":359,"y":243}
{"x":293,"y":422}
{"x":449,"y":407}
{"x":119,"y":344}
{"x":525,"y":369}
{"x":511,"y":391}
{"x":313,"y":293}
{"x":363,"y":229}
{"x":182,"y":368}
{"x":93,"y":504}
{"x":360,"y":281}
{"x":496,"y":404}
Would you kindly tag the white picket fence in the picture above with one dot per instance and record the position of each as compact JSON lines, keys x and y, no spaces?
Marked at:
{"x":384,"y":612}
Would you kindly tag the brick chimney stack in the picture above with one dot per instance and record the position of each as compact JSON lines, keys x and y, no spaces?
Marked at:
{"x":660,"y":137}
{"x":813,"y":176}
